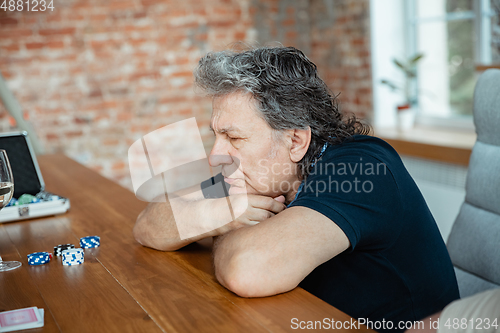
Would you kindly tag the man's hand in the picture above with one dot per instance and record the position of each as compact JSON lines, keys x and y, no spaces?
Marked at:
{"x":251,"y":209}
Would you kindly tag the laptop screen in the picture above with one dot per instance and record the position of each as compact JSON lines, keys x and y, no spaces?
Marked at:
{"x":23,"y":168}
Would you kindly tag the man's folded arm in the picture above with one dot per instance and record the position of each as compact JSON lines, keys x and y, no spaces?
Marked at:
{"x":277,"y":254}
{"x":156,"y":227}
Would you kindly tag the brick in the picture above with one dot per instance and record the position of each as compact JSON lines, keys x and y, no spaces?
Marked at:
{"x":29,"y":20}
{"x":118,"y":166}
{"x":221,"y":24}
{"x":240,"y":36}
{"x":95,"y":93}
{"x":82,"y":120}
{"x":7,"y":75}
{"x":98,"y":17}
{"x":123,"y":116}
{"x":140,"y":128}
{"x":137,"y":28}
{"x":291,"y":34}
{"x":8,"y":21}
{"x":62,"y":31}
{"x":34,"y":46}
{"x":114,"y":5}
{"x":55,"y":44}
{"x":110,"y":142}
{"x":149,"y":3}
{"x":140,"y":15}
{"x":150,"y":74}
{"x":12,"y":47}
{"x":16,"y":33}
{"x":54,"y":18}
{"x":52,"y":136}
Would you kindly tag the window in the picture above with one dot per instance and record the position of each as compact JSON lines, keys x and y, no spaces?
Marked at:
{"x":454,"y":36}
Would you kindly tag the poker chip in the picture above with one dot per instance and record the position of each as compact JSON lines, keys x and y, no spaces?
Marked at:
{"x":69,"y":254}
{"x":12,"y":202}
{"x":38,"y":258}
{"x":61,"y":247}
{"x":78,"y":252}
{"x":90,"y":242}
{"x":73,"y":262}
{"x":72,"y":257}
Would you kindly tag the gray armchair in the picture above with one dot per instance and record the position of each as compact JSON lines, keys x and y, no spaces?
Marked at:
{"x":474,"y":241}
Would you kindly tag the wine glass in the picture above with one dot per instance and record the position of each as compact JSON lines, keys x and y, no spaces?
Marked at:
{"x":6,"y":193}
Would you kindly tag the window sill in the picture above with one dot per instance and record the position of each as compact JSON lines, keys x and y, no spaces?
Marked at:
{"x":443,"y":145}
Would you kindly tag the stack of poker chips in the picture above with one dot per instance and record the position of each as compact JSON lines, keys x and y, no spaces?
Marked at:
{"x":38,"y":258}
{"x":90,"y":242}
{"x":61,"y":247}
{"x":72,"y":257}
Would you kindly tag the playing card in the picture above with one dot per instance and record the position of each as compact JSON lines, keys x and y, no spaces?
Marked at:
{"x":21,"y":319}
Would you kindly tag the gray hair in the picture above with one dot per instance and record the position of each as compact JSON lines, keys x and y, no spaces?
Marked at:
{"x":288,"y":91}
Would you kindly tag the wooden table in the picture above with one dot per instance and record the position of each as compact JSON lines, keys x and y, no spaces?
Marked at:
{"x":123,"y":286}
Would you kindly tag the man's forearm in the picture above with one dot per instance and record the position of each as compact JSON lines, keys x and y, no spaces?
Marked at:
{"x":240,"y":267}
{"x":196,"y":218}
{"x":156,"y":228}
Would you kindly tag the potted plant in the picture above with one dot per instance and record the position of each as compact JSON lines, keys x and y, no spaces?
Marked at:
{"x":406,"y":111}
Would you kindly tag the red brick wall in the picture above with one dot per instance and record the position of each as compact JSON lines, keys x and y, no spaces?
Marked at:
{"x":95,"y":75}
{"x":342,"y":51}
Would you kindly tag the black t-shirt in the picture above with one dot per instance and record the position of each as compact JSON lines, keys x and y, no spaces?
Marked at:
{"x":397,"y":267}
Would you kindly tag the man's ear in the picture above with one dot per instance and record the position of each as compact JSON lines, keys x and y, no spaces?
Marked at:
{"x":300,"y":140}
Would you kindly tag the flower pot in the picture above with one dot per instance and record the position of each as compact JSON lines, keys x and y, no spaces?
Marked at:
{"x":406,"y":117}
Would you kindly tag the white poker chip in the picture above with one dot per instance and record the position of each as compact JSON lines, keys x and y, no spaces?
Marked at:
{"x":73,"y":257}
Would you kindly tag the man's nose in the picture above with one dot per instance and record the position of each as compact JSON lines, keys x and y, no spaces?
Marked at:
{"x":219,"y":155}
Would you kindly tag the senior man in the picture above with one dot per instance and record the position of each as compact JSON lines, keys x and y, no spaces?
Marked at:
{"x":330,"y":208}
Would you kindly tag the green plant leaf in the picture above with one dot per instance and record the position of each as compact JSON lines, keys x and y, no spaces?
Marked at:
{"x":399,"y":64}
{"x":416,"y":58}
{"x":391,"y":85}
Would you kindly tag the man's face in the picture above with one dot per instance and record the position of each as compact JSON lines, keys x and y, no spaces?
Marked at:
{"x":252,"y":160}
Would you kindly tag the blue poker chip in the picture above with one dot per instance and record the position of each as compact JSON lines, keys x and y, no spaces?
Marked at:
{"x":90,"y":242}
{"x":38,"y":258}
{"x":12,"y":202}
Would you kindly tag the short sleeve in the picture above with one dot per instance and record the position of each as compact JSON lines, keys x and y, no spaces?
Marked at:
{"x":358,"y":192}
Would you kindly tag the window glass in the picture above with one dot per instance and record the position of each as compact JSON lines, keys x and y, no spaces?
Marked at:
{"x":446,"y":74}
{"x":495,"y":31}
{"x":461,"y":66}
{"x":456,"y":6}
{"x":439,"y":8}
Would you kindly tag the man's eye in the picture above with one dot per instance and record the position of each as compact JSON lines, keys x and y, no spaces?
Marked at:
{"x":233,"y":139}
